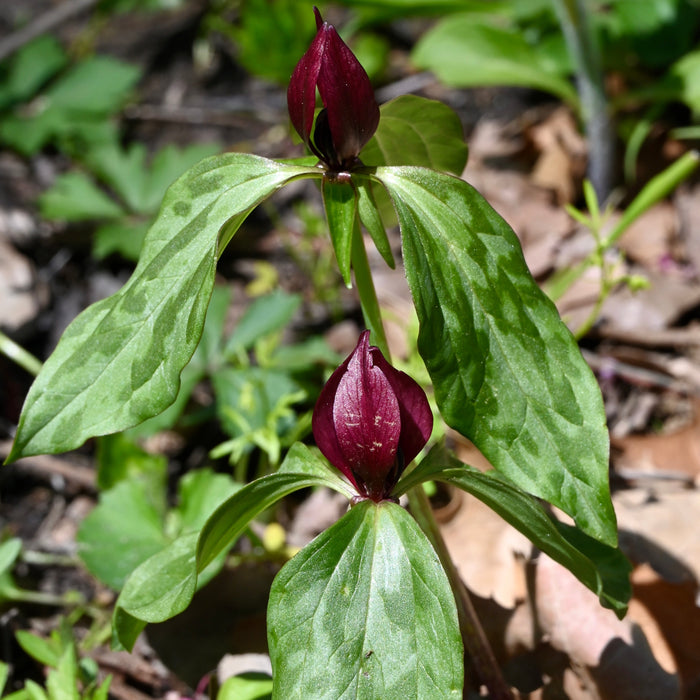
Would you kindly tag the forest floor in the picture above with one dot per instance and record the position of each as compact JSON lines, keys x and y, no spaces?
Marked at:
{"x":528,"y":159}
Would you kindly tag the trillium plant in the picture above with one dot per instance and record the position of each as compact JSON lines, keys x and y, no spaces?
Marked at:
{"x":371,"y":608}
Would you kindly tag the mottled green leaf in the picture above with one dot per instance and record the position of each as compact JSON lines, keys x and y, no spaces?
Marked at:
{"x":603,"y":569}
{"x":507,"y":372}
{"x":119,"y":362}
{"x":365,"y":611}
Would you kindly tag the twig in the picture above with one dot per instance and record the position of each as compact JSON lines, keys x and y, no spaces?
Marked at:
{"x":688,"y":336}
{"x":48,"y":467}
{"x":642,"y":376}
{"x":21,"y":356}
{"x":43,"y":24}
{"x":198,"y":115}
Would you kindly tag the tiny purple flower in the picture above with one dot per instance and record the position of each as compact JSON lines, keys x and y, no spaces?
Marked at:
{"x":371,"y":420}
{"x":350,"y":115}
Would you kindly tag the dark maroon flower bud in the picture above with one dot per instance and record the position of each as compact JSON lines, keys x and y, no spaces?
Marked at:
{"x":371,"y":420}
{"x":350,"y":114}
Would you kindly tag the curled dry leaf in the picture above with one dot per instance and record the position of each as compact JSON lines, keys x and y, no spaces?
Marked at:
{"x":561,"y":162}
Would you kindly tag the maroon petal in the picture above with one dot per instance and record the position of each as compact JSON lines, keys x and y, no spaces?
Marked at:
{"x":416,"y":416}
{"x":301,"y":93}
{"x":323,"y":425}
{"x":346,"y":92}
{"x":367,"y":416}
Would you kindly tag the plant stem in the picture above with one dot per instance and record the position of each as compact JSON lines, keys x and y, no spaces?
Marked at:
{"x":475,"y":642}
{"x":659,"y":187}
{"x":17,"y":353}
{"x":582,"y":46}
{"x":368,"y":295}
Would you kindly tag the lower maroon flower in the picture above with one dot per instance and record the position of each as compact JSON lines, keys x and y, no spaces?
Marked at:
{"x":371,"y":420}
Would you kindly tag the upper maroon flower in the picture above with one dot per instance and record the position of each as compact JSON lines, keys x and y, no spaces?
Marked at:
{"x":371,"y":420}
{"x":350,"y":115}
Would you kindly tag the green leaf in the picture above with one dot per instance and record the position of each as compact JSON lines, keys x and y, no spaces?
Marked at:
{"x":201,"y":492}
{"x":4,"y":675}
{"x":265,"y":315}
{"x":75,"y":197}
{"x":507,"y":373}
{"x":34,"y":691}
{"x":603,"y":569}
{"x":30,"y":68}
{"x":246,"y":398}
{"x":124,"y":237}
{"x":272,"y":37}
{"x":656,"y":37}
{"x":371,"y":219}
{"x":416,"y":131}
{"x":125,"y":171}
{"x":166,"y":166}
{"x":301,"y":357}
{"x":119,"y":362}
{"x":464,"y":52}
{"x":142,"y":187}
{"x":303,"y":460}
{"x":45,"y":651}
{"x":247,"y":686}
{"x":340,"y":202}
{"x":102,"y":691}
{"x":62,"y":683}
{"x":119,"y":458}
{"x":232,"y":517}
{"x":9,"y":551}
{"x":365,"y":611}
{"x":74,"y":108}
{"x":403,"y":8}
{"x":162,"y":586}
{"x":683,"y":82}
{"x":124,"y":530}
{"x":97,"y":85}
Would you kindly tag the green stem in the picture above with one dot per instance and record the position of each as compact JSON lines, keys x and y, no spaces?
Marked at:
{"x":20,"y":595}
{"x":658,"y":188}
{"x":17,"y":353}
{"x":582,"y":47}
{"x":368,"y":295}
{"x":475,"y":641}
